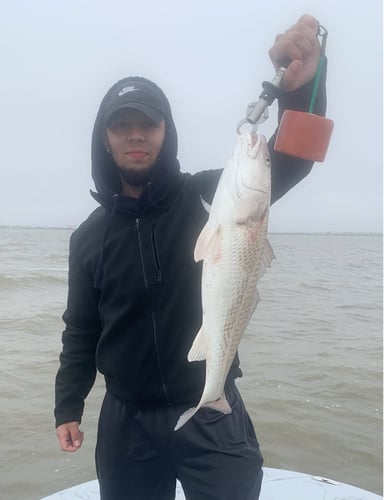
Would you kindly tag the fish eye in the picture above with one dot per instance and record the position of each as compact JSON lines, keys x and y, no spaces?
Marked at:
{"x":268,"y":160}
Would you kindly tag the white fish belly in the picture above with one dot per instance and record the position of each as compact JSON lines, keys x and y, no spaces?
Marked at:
{"x":229,"y":296}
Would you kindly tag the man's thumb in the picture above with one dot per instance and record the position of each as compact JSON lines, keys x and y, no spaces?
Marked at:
{"x":290,"y":76}
{"x":76,"y":435}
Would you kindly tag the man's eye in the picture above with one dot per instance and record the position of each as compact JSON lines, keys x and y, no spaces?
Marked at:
{"x":148,"y":124}
{"x":118,"y":124}
{"x":122,"y":124}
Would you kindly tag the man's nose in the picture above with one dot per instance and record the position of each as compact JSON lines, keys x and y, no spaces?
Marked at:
{"x":136,"y":133}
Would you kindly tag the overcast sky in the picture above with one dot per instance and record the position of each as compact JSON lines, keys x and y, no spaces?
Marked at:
{"x":58,"y":58}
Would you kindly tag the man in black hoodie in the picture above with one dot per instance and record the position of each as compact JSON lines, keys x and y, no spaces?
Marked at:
{"x":134,"y":304}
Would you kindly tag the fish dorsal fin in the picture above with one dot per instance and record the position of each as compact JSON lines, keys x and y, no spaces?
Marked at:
{"x":198,"y":351}
{"x":266,"y":260}
{"x":208,"y":243}
{"x":206,"y":205}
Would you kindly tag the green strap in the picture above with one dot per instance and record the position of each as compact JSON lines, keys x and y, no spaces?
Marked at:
{"x":319,"y":72}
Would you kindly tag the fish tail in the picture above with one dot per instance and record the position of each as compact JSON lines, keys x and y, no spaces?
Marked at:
{"x":185,"y":417}
{"x":220,"y":405}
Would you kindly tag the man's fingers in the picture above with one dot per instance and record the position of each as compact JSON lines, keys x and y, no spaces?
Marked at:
{"x":77,"y":436}
{"x":310,"y":21}
{"x":298,"y":42}
{"x":291,"y":75}
{"x":69,"y":444}
{"x":284,"y":51}
{"x":70,"y":437}
{"x":298,"y":50}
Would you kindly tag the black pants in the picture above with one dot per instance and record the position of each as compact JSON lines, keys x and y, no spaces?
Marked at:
{"x":214,"y":456}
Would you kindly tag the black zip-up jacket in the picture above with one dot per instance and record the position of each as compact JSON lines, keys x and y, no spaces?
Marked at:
{"x":134,"y":302}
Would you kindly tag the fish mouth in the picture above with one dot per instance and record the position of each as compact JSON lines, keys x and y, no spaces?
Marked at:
{"x":251,"y":146}
{"x":254,"y":139}
{"x":255,"y":143}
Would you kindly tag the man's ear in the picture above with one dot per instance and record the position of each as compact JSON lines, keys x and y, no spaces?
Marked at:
{"x":106,"y":143}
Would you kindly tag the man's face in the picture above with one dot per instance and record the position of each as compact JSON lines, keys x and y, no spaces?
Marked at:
{"x":134,"y":141}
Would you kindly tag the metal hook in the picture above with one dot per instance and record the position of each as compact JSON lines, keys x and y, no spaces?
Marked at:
{"x":257,"y":112}
{"x":323,"y":33}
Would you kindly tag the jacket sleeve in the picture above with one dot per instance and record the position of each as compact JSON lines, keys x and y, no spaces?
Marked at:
{"x":206,"y":182}
{"x":77,"y":371}
{"x":287,"y":171}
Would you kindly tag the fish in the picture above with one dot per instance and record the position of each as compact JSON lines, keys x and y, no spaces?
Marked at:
{"x":235,"y":251}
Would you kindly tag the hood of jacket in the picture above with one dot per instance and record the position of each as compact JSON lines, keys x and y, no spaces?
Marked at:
{"x":165,"y":176}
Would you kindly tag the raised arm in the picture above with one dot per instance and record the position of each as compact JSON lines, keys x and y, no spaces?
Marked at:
{"x":298,"y":49}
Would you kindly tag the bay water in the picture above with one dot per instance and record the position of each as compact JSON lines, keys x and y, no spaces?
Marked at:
{"x":311,"y":358}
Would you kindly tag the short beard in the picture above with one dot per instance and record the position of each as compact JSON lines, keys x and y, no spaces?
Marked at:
{"x":135,"y":177}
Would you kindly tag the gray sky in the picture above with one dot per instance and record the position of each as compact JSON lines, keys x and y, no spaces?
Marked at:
{"x":58,"y":58}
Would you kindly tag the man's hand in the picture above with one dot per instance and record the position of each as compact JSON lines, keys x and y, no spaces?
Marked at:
{"x":299,"y":50}
{"x":70,"y":436}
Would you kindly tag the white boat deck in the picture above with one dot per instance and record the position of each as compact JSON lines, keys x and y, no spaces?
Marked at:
{"x":277,"y":485}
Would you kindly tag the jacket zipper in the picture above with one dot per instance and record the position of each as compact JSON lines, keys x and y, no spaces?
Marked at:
{"x":154,"y":328}
{"x":156,"y":255}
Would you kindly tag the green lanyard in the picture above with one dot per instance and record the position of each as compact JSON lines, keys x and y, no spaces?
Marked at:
{"x":323,"y":33}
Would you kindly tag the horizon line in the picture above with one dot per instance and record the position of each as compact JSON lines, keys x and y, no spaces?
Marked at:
{"x":71,"y":226}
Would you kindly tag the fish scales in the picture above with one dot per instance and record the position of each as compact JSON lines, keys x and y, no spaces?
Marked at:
{"x":239,"y":283}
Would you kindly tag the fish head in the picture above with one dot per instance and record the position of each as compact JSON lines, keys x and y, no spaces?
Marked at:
{"x":251,"y":174}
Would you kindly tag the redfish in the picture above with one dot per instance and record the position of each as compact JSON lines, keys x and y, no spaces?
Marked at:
{"x":235,"y":252}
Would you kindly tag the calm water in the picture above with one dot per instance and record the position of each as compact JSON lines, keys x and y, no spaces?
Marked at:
{"x":312,"y":361}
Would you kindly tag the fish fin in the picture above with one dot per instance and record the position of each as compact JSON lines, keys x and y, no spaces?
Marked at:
{"x":199,"y":347}
{"x":220,"y":404}
{"x":208,"y":243}
{"x":206,"y":205}
{"x":185,"y":417}
{"x":266,"y":260}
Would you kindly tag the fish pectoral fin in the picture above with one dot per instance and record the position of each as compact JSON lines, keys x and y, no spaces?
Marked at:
{"x":208,"y":243}
{"x":220,"y":404}
{"x":266,"y":260}
{"x":198,"y":351}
